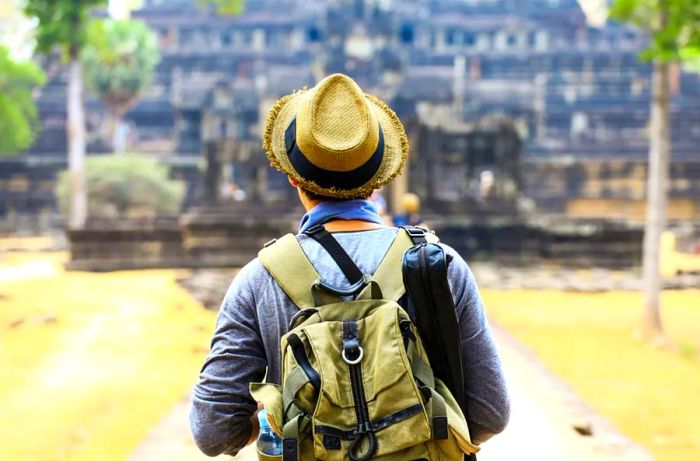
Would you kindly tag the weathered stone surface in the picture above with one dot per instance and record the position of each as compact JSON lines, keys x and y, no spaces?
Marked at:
{"x":515,"y":240}
{"x":106,"y":245}
{"x":208,"y":286}
{"x":223,"y":237}
{"x":497,"y":277}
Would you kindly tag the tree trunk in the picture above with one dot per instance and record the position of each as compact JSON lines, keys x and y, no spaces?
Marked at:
{"x":119,"y":133}
{"x":121,"y":137}
{"x":657,"y":180}
{"x":76,"y":145}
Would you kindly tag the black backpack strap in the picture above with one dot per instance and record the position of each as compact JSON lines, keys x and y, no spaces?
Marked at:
{"x":417,"y":234}
{"x":339,"y":255}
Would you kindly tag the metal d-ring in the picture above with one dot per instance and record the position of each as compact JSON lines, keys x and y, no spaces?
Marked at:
{"x":355,"y":361}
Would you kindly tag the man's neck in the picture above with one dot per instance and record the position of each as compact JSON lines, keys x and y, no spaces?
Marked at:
{"x":339,"y":225}
{"x":342,"y":225}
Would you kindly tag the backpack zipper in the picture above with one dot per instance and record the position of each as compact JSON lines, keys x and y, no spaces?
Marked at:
{"x":365,"y":429}
{"x":358,"y":392}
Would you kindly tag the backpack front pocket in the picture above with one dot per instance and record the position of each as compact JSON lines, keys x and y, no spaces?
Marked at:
{"x":369,"y":404}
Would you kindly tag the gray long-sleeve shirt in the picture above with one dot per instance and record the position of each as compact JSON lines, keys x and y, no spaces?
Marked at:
{"x":255,"y":314}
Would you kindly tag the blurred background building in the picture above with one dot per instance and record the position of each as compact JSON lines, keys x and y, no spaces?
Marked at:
{"x":528,"y":94}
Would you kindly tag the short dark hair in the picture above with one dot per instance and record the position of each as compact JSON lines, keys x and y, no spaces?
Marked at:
{"x":322,"y":198}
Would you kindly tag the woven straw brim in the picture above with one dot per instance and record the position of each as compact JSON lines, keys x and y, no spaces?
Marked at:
{"x":395,"y":146}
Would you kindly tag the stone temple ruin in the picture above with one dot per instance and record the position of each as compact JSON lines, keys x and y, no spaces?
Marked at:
{"x":527,"y":127}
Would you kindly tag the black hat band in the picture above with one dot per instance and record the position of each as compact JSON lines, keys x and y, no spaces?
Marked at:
{"x":326,"y":178}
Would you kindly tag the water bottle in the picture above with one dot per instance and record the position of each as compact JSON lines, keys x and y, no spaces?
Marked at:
{"x":268,"y":442}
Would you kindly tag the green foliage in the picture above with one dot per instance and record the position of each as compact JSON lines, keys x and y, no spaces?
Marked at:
{"x":18,"y":114}
{"x":673,"y":25}
{"x":61,"y":24}
{"x":119,"y":60}
{"x":126,"y":185}
{"x":226,"y":7}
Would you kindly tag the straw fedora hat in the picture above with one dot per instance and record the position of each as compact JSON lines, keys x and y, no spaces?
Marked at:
{"x":334,"y":140}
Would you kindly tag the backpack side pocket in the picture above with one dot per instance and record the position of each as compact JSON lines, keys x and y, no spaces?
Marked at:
{"x":271,"y":397}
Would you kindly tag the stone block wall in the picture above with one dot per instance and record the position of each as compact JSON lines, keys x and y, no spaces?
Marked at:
{"x":613,"y":189}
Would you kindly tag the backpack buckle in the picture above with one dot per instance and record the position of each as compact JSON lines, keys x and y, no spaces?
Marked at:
{"x":416,"y":234}
{"x":315,"y":229}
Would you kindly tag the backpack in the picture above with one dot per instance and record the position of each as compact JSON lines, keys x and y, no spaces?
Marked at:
{"x":356,"y":380}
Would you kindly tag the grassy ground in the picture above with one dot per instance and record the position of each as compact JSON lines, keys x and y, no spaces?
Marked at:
{"x":589,"y":340}
{"x":90,"y":362}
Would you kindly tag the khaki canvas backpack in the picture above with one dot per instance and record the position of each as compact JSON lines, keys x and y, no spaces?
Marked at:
{"x":356,"y":382}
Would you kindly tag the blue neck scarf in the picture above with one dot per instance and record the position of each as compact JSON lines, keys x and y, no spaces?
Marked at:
{"x":363,"y":210}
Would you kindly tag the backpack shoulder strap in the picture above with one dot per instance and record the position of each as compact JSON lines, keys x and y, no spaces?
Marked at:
{"x":420,"y":235}
{"x":294,"y":273}
{"x":388,"y":274}
{"x":336,"y":251}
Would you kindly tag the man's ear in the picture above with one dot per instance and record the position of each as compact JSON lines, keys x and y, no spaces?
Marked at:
{"x":293,"y":182}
